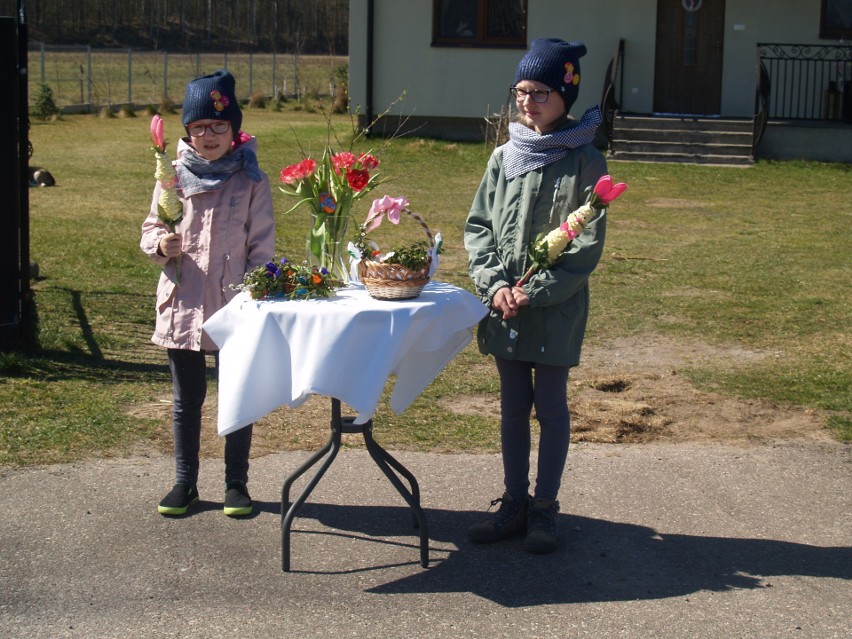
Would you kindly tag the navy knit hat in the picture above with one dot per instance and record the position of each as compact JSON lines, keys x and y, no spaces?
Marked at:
{"x":212,"y":97}
{"x":555,"y":63}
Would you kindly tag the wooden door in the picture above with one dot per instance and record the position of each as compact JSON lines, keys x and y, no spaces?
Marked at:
{"x":688,"y":62}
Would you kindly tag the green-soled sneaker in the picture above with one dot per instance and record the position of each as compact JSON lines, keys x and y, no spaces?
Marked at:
{"x":237,"y":500}
{"x":179,"y":499}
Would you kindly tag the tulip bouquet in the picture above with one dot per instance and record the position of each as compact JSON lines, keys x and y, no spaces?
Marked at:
{"x":329,"y":188}
{"x":169,"y":206}
{"x":550,"y":249}
{"x":285,"y":280}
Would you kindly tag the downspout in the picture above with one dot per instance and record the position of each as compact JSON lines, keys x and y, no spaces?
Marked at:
{"x":371,"y":5}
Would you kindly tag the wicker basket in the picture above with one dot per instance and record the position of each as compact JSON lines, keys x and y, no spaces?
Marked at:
{"x":395,"y":281}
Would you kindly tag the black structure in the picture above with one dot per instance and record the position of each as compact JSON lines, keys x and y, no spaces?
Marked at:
{"x":384,"y":460}
{"x":15,"y":294}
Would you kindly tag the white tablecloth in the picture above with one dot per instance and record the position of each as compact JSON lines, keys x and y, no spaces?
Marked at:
{"x":279,"y":352}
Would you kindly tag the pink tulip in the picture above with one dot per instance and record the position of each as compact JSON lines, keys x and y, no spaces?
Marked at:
{"x":603,"y":185}
{"x":157,"y":133}
{"x":606,"y":191}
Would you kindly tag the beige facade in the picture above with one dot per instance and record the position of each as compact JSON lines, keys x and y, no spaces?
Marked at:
{"x":460,"y":82}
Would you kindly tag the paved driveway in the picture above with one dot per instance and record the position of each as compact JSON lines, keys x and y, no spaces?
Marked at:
{"x":657,"y":541}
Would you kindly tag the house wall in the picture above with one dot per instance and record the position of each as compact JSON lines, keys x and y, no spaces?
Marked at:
{"x":449,"y":82}
{"x":748,"y":22}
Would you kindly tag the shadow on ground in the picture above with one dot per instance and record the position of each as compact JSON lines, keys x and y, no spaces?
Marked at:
{"x":597,"y":561}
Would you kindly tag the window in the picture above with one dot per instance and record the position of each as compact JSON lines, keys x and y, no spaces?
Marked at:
{"x":835,"y":19}
{"x":480,"y":23}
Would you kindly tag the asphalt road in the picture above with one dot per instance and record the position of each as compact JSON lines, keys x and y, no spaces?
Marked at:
{"x":657,"y":540}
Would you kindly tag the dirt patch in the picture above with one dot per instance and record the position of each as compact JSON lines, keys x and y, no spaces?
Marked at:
{"x":630,"y":391}
{"x":626,"y":391}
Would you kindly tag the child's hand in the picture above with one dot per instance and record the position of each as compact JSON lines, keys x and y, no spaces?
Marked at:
{"x":520,"y":296}
{"x":170,"y":245}
{"x":504,"y":301}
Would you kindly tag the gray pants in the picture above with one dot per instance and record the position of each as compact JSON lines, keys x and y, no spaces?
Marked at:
{"x":189,"y":381}
{"x":524,"y":385}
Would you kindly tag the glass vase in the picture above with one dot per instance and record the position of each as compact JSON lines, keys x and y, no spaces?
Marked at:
{"x":326,"y":246}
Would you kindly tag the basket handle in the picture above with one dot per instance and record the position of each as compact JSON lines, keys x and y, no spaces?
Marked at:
{"x":412,"y":214}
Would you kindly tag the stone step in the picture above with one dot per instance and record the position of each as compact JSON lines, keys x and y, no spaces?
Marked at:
{"x":685,"y":123}
{"x":682,"y":158}
{"x":688,"y":137}
{"x":684,"y":147}
{"x":682,"y":139}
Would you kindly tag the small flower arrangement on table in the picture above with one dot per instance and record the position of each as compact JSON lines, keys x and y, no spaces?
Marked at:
{"x":405,"y":270}
{"x":550,"y":249}
{"x":287,"y":281}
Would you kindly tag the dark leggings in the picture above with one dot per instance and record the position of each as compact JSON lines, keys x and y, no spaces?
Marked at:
{"x":524,"y":385}
{"x":189,"y":381}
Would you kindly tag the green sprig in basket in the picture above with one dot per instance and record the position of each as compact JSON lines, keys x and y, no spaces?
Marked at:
{"x":390,"y":280}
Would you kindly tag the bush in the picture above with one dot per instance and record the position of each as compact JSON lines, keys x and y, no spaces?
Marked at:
{"x":257,"y":101}
{"x":167,"y":106}
{"x":45,"y":106}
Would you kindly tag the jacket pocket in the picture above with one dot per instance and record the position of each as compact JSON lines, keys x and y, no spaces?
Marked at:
{"x":165,"y":293}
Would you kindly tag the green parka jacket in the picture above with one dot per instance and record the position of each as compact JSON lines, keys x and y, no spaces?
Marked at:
{"x":505,"y":218}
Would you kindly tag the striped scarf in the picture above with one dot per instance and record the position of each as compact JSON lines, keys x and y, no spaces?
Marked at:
{"x":527,"y":150}
{"x":197,"y":175}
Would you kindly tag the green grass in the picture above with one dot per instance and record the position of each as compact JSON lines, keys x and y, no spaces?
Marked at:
{"x":752,"y":258}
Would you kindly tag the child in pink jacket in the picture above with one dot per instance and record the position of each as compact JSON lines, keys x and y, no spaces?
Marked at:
{"x":227,"y":229}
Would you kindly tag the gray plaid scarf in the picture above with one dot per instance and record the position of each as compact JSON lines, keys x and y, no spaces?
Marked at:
{"x":527,"y":150}
{"x":196,"y":175}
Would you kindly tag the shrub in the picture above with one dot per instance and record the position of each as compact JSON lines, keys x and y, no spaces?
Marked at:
{"x":44,"y":104}
{"x":257,"y":101}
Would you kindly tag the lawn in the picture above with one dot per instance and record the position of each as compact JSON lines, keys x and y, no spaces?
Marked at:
{"x":756,"y":258}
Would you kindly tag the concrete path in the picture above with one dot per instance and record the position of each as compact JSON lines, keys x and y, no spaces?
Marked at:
{"x":658,"y":541}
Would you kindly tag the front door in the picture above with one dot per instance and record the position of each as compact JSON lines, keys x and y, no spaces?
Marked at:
{"x":688,"y":63}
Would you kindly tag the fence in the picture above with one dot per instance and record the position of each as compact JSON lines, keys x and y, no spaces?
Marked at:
{"x":807,"y":82}
{"x":83,"y":78}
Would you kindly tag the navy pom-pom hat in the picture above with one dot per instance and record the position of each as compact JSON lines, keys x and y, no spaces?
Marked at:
{"x":213,"y":97}
{"x":555,"y":63}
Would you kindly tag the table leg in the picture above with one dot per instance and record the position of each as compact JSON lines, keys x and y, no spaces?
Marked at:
{"x":288,"y":512}
{"x":383,"y":459}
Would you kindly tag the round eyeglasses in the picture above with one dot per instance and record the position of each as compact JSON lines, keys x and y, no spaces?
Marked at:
{"x":539,"y":96}
{"x":219,"y":127}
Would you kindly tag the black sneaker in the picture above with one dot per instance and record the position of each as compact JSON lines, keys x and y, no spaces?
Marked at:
{"x":179,"y":499}
{"x":237,"y":500}
{"x":541,"y":526}
{"x":510,"y":519}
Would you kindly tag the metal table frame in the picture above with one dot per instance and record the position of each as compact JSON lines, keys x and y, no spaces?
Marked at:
{"x":383,"y":459}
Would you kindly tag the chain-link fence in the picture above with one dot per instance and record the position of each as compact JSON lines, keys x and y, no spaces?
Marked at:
{"x":86,"y":79}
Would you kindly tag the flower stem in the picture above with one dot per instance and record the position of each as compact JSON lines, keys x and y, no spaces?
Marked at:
{"x":176,"y":259}
{"x":527,"y":275}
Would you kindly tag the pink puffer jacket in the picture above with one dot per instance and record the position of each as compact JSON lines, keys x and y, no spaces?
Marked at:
{"x":225,"y":233}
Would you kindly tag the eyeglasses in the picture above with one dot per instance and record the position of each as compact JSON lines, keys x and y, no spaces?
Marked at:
{"x":539,"y":96}
{"x":219,"y":127}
